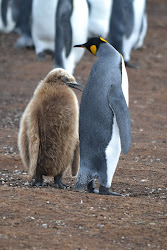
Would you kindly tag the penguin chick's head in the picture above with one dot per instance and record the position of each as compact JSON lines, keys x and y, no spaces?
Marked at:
{"x":60,"y":76}
{"x":93,"y":44}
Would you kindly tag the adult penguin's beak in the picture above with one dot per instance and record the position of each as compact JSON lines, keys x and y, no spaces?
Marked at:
{"x":74,"y":85}
{"x":80,"y":45}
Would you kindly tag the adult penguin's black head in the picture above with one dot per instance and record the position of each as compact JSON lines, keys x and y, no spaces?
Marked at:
{"x":93,"y":44}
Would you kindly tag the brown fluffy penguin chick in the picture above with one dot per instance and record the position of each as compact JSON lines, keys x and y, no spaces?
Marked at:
{"x":48,"y":137}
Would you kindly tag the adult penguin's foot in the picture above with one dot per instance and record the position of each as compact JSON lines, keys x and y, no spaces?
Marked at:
{"x":106,"y":191}
{"x":91,"y":187}
{"x":131,"y":65}
{"x":41,"y":56}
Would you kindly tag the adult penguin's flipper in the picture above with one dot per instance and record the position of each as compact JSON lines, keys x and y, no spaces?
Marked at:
{"x":118,"y":105}
{"x":63,"y":39}
{"x":128,"y":15}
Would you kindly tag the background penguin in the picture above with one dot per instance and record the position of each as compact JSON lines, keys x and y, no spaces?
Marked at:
{"x":120,"y":25}
{"x":43,"y":26}
{"x":128,"y":26}
{"x":48,"y":136}
{"x":104,"y":125}
{"x":135,"y":40}
{"x":7,"y":19}
{"x":143,"y":26}
{"x":99,"y":17}
{"x":23,"y":25}
{"x":71,"y":28}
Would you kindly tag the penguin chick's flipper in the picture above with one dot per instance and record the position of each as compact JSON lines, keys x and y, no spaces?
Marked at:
{"x":106,"y":191}
{"x":59,"y":184}
{"x":118,"y":105}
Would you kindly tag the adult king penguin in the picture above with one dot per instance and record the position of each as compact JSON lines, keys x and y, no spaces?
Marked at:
{"x":104,"y":124}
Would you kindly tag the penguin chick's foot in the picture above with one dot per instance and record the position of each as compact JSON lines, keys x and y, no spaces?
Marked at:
{"x":106,"y":191}
{"x":59,"y":184}
{"x":38,"y":183}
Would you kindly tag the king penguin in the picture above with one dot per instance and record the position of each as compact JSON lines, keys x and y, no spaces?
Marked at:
{"x":23,"y":25}
{"x":7,"y":20}
{"x":99,"y":17}
{"x":128,"y":27}
{"x":71,"y":19}
{"x":43,"y":26}
{"x":104,"y":124}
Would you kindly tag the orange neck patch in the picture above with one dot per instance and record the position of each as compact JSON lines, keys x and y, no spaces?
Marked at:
{"x":93,"y":49}
{"x":103,"y":40}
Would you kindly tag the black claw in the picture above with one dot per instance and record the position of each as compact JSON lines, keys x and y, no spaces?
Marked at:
{"x":91,"y":186}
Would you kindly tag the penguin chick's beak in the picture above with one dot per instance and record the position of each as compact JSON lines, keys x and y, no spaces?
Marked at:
{"x":74,"y":85}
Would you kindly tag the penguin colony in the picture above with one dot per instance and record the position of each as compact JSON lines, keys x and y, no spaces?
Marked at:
{"x":45,"y":143}
{"x":48,"y":137}
{"x":57,"y":25}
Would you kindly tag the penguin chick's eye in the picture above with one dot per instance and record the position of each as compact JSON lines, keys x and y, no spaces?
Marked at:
{"x":65,"y":79}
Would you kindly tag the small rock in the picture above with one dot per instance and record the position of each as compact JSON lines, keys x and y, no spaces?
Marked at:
{"x":44,"y":225}
{"x":26,"y":183}
{"x":143,"y":180}
{"x":101,"y":225}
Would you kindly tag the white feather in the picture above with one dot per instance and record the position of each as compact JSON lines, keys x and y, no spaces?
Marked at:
{"x":43,"y":24}
{"x":113,"y":149}
{"x":99,"y":17}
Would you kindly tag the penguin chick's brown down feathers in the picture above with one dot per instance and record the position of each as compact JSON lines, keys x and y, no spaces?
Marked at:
{"x":48,"y":138}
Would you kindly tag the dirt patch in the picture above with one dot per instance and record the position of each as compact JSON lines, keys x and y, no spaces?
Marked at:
{"x":47,"y":218}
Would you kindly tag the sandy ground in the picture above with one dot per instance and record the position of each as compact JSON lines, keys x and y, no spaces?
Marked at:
{"x":47,"y":218}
